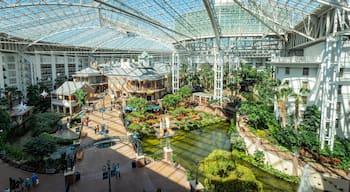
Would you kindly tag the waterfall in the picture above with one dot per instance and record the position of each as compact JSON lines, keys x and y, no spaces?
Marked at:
{"x":305,"y":185}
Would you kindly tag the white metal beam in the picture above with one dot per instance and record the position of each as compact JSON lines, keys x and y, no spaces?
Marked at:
{"x":214,"y":21}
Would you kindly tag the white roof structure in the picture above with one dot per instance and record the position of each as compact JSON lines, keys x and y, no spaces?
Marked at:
{"x":162,"y":68}
{"x":149,"y":25}
{"x":135,"y":73}
{"x":88,"y":71}
{"x":68,"y":88}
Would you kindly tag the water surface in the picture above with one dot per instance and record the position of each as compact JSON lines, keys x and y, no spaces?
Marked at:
{"x":193,"y":146}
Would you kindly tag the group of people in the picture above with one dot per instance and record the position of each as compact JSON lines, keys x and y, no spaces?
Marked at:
{"x":21,"y":185}
{"x":104,"y":130}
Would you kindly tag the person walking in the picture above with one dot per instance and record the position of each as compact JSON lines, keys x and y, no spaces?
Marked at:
{"x":35,"y":180}
{"x":117,"y":171}
{"x":27,"y":184}
{"x":21,"y":184}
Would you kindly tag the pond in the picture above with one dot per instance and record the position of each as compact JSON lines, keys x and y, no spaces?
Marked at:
{"x":193,"y":146}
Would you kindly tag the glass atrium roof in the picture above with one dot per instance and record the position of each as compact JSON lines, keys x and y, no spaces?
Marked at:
{"x":146,"y":24}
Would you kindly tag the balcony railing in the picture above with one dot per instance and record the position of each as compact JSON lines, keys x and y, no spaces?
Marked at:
{"x":64,"y":102}
{"x":297,"y":59}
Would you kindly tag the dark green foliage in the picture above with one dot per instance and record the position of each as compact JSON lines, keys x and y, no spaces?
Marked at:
{"x":57,"y":140}
{"x":35,"y":99}
{"x":258,"y":103}
{"x":310,"y":139}
{"x":5,"y":125}
{"x":342,"y":151}
{"x":44,"y":122}
{"x":259,"y":156}
{"x":312,"y":119}
{"x":289,"y":137}
{"x":40,"y":146}
{"x":260,"y":115}
{"x":306,"y":135}
{"x":12,"y":152}
{"x":5,"y":121}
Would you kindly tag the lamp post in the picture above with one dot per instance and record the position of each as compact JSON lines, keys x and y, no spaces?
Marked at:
{"x":107,"y":173}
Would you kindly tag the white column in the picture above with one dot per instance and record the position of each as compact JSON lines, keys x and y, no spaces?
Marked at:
{"x":66,"y":71}
{"x":175,"y":72}
{"x":37,"y":67}
{"x":76,"y":59}
{"x":218,"y":75}
{"x":53,"y":69}
{"x":2,"y":80}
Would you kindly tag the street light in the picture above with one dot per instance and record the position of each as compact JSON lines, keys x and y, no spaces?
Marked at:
{"x":107,"y":173}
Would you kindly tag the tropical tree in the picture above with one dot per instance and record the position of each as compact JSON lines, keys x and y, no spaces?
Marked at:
{"x":206,"y":75}
{"x":309,"y":127}
{"x":185,"y":92}
{"x":297,"y":102}
{"x":33,"y":92}
{"x":35,"y":99}
{"x":282,"y":98}
{"x":171,"y":100}
{"x":80,"y":95}
{"x":139,"y":104}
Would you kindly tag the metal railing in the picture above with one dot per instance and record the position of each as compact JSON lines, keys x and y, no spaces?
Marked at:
{"x":297,"y":59}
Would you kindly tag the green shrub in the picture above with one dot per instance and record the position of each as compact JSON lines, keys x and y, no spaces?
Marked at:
{"x":189,"y":175}
{"x":259,"y":156}
{"x":223,"y":174}
{"x":237,"y":142}
{"x":13,"y":152}
{"x":45,"y":122}
{"x":57,"y":140}
{"x":40,"y":146}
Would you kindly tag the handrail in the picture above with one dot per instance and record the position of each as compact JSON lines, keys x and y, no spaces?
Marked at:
{"x":297,"y":59}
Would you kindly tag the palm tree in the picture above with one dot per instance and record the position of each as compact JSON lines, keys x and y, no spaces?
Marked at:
{"x":206,"y":76}
{"x":282,"y":98}
{"x":80,"y":95}
{"x":10,"y":92}
{"x":297,"y":102}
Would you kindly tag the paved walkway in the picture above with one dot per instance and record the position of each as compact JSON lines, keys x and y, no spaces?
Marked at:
{"x":155,"y":175}
{"x":149,"y":178}
{"x":48,"y":183}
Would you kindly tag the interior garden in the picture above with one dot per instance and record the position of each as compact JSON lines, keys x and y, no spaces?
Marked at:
{"x":34,"y":146}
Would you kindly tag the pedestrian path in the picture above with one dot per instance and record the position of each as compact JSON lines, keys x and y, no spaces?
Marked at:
{"x":51,"y":183}
{"x":156,"y":175}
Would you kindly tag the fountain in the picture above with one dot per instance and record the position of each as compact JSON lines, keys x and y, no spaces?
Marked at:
{"x":305,"y":185}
